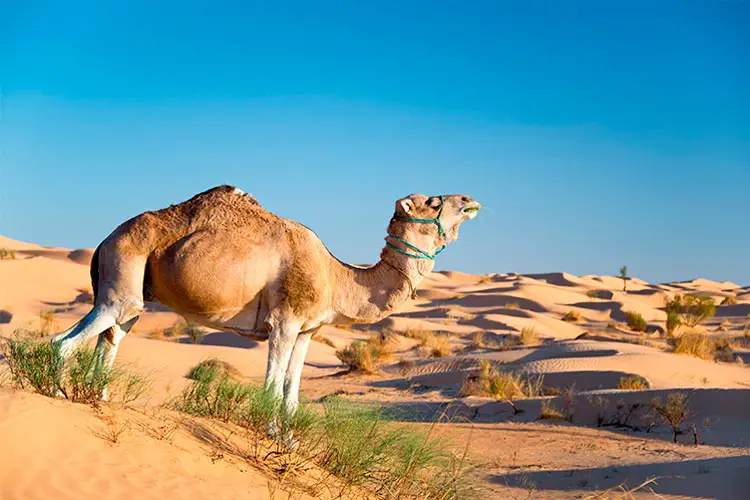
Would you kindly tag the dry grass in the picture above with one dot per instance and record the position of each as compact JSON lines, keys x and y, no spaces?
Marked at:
{"x":6,"y":254}
{"x":632,"y":383}
{"x":437,"y":346}
{"x":477,"y":341}
{"x":512,"y":305}
{"x":503,"y":385}
{"x":529,"y":336}
{"x":364,"y":356}
{"x":114,"y":428}
{"x":572,"y":316}
{"x":635,"y":321}
{"x":704,"y":347}
{"x":549,"y":412}
{"x":729,"y":300}
{"x":47,"y":323}
{"x":324,"y":340}
{"x":359,"y":356}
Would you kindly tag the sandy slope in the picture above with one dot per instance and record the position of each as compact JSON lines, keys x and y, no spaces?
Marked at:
{"x":50,"y":449}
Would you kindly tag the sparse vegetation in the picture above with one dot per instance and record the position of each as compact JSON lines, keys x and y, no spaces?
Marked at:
{"x":504,"y":385}
{"x":437,"y":346}
{"x":529,"y":336}
{"x":673,"y":323}
{"x":635,"y":321}
{"x":39,"y":366}
{"x":624,"y":277}
{"x":632,"y":383}
{"x":359,"y":356}
{"x":729,"y":300}
{"x":704,"y":347}
{"x":691,"y":309}
{"x":673,"y":412}
{"x":324,"y":340}
{"x":47,"y":323}
{"x":572,"y":316}
{"x":512,"y":305}
{"x":6,"y":254}
{"x":356,"y":444}
{"x":549,"y":412}
{"x":478,"y":340}
{"x":199,"y":371}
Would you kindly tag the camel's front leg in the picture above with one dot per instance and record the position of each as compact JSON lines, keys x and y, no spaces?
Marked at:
{"x":107,"y":345}
{"x":292,"y":380}
{"x":280,"y":346}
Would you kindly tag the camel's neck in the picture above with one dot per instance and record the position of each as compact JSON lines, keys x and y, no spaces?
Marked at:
{"x":367,"y":295}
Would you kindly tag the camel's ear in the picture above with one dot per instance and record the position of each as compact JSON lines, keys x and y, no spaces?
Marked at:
{"x":405,"y":206}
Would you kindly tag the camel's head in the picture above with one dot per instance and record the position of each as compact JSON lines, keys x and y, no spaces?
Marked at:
{"x":450,"y":210}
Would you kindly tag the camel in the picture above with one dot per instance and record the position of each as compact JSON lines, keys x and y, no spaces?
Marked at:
{"x":225,"y":262}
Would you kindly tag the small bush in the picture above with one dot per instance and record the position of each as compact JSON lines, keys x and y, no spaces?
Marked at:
{"x":704,"y":347}
{"x":201,"y":370}
{"x":39,"y":366}
{"x":478,"y":341}
{"x":729,"y":300}
{"x":359,"y":356}
{"x":673,"y":323}
{"x":504,"y":385}
{"x":572,"y":316}
{"x":632,"y":383}
{"x":635,"y":321}
{"x":529,"y":336}
{"x":437,"y":346}
{"x":512,"y":305}
{"x":549,"y":412}
{"x":692,"y":309}
{"x":6,"y":254}
{"x":673,"y":412}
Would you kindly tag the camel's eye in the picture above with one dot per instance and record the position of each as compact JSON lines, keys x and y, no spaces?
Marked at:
{"x":433,"y":202}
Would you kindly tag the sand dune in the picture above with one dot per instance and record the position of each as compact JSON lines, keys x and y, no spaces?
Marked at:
{"x":51,"y":450}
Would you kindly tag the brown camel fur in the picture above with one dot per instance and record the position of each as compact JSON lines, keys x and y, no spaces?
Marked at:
{"x":222,"y":260}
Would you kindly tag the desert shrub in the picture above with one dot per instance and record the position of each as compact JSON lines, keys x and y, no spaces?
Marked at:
{"x":437,"y":346}
{"x":635,"y":321}
{"x":512,"y":305}
{"x":572,"y":316}
{"x":6,"y":254}
{"x":478,"y":341}
{"x":355,"y":443}
{"x":549,"y":412}
{"x":35,"y":365}
{"x":673,"y":322}
{"x":504,"y":385}
{"x":364,"y":356}
{"x":47,"y":324}
{"x":359,"y":356}
{"x":692,"y":309}
{"x":529,"y":336}
{"x":199,"y":371}
{"x":729,"y":300}
{"x":39,"y":366}
{"x":674,"y":411}
{"x":632,"y":383}
{"x":704,"y":347}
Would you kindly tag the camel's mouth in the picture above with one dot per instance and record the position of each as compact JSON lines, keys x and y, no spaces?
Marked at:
{"x":471,"y":210}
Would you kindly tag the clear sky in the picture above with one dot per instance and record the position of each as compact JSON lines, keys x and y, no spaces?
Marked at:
{"x":598,"y":133}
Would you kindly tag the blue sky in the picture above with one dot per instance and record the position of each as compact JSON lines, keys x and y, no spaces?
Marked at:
{"x":598,"y":133}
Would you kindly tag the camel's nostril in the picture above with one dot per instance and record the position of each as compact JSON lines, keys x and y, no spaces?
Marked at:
{"x":465,"y":199}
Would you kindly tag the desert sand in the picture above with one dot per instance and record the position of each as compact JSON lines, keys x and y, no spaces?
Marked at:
{"x":55,"y":449}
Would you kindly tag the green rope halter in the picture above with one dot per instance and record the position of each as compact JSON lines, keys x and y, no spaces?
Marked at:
{"x":422,"y":254}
